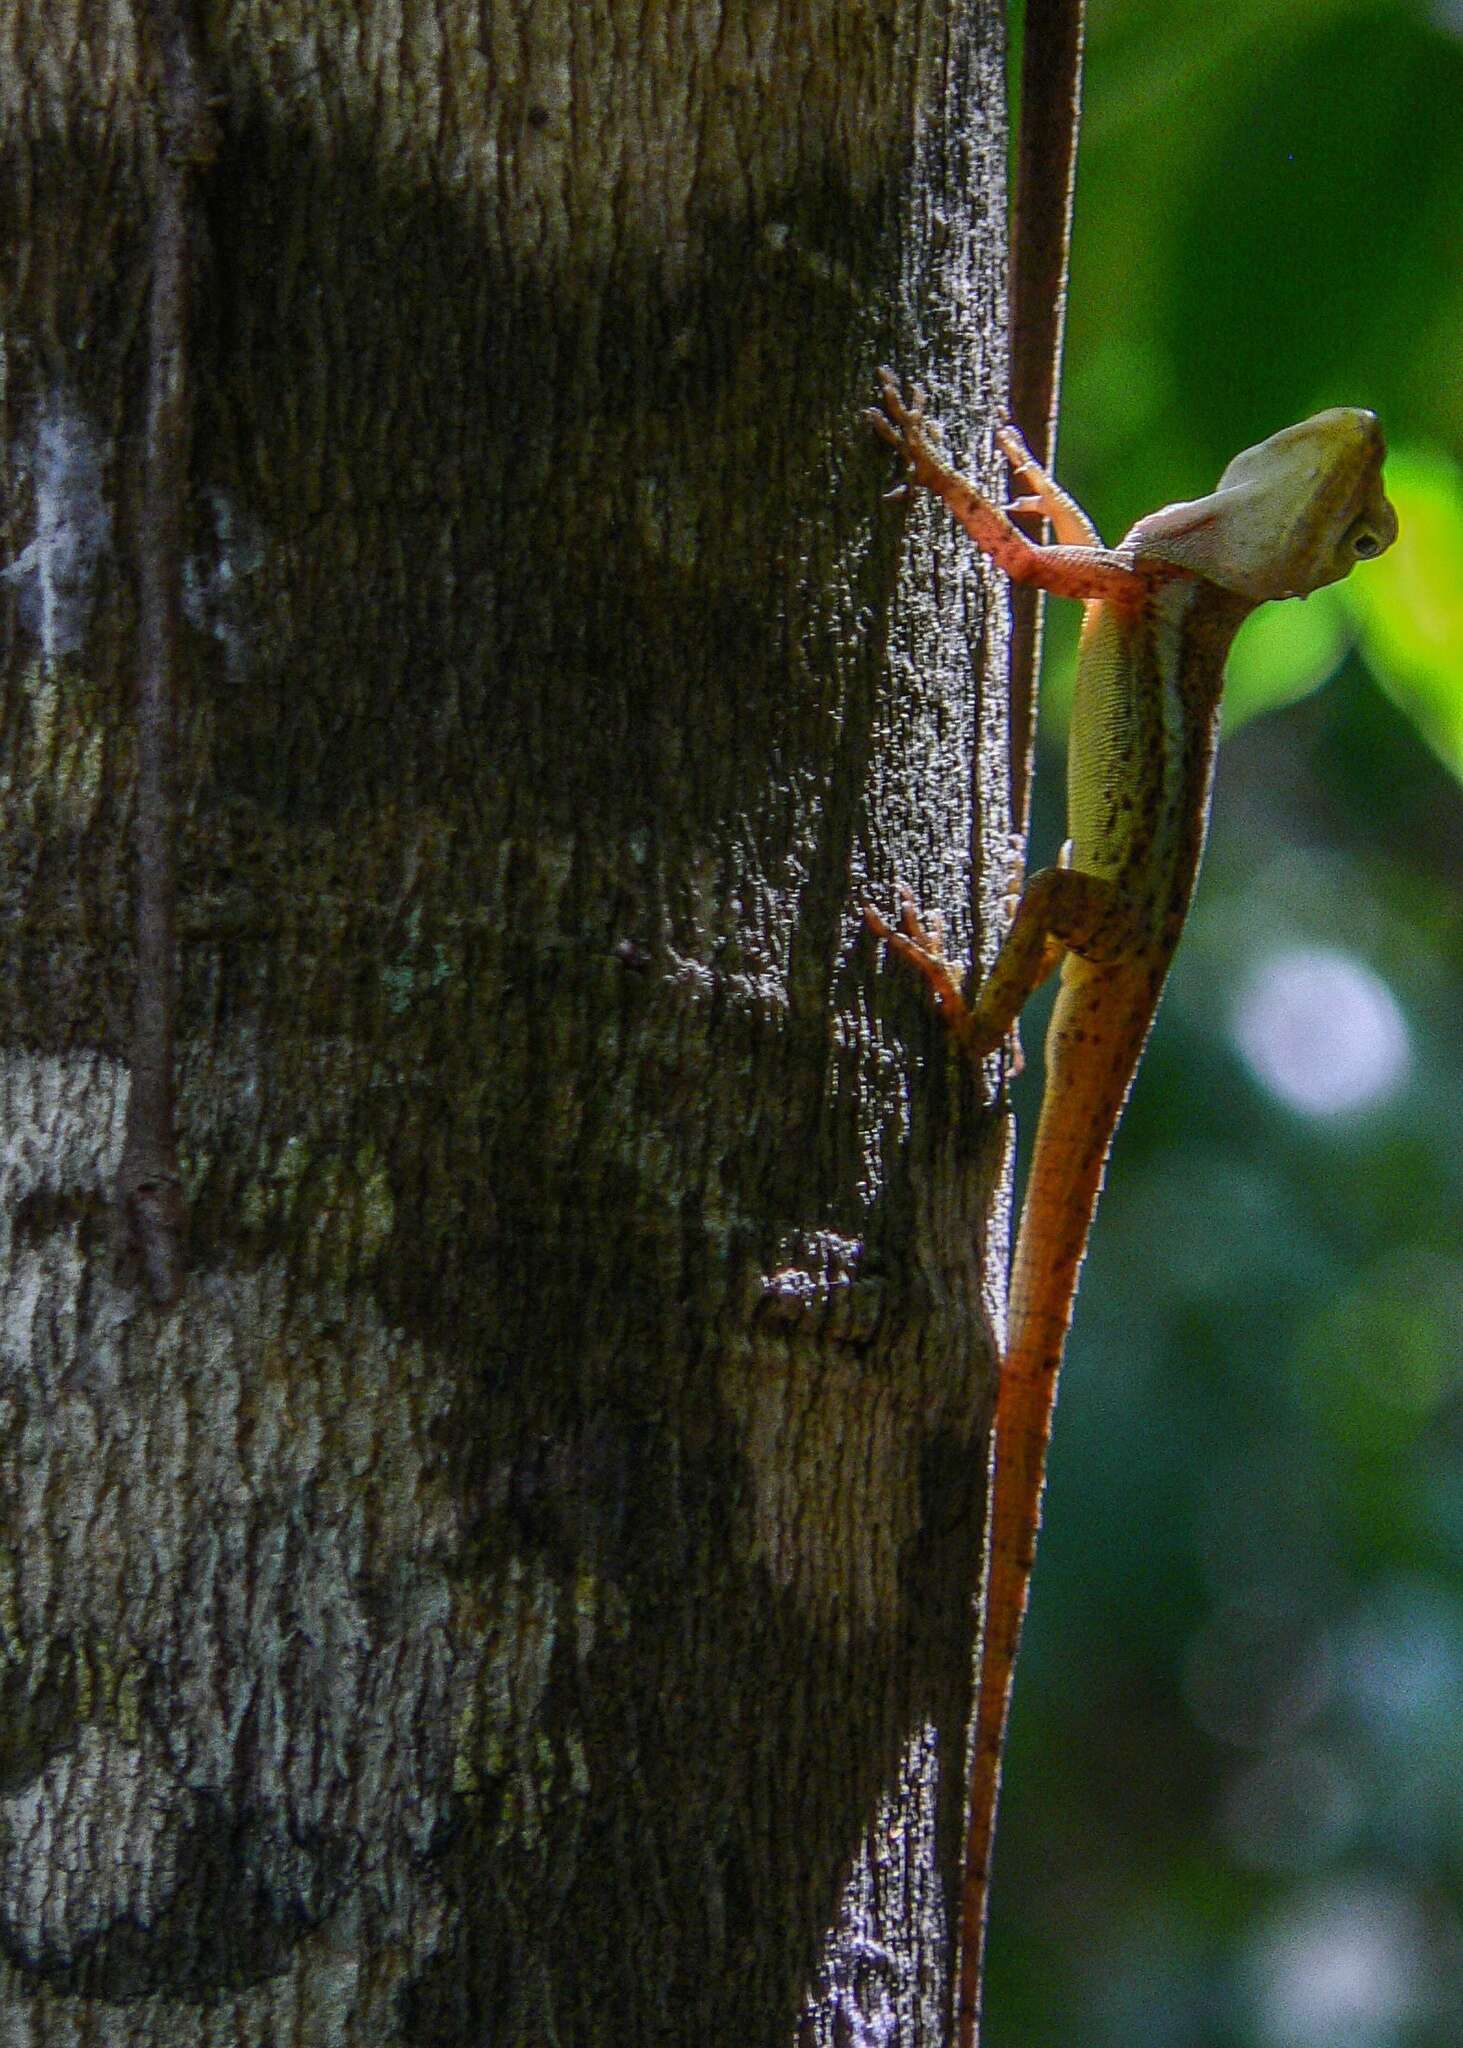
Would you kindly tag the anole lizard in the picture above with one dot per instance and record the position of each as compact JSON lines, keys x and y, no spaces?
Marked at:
{"x":1288,"y":516}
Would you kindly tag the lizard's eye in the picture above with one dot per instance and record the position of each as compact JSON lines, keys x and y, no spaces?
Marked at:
{"x":1364,"y":543}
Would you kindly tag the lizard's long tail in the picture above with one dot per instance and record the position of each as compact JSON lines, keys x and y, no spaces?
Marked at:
{"x":1093,"y":1047}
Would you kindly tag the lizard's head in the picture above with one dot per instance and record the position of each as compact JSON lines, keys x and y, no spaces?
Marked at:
{"x":1289,"y":515}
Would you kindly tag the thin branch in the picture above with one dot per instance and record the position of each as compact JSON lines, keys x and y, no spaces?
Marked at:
{"x":1046,"y":169}
{"x":149,"y":1182}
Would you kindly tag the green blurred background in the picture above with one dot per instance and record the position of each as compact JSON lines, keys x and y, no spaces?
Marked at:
{"x":1234,"y":1812}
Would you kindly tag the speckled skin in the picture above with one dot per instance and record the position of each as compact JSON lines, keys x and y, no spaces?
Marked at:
{"x":1295,"y":512}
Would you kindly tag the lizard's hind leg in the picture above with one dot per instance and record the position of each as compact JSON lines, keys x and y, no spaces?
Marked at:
{"x":1060,"y":909}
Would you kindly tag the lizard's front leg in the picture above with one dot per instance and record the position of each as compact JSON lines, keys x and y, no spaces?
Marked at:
{"x":1045,"y":495}
{"x":1078,"y":569}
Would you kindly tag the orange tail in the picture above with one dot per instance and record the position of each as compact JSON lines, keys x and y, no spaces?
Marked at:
{"x":1096,"y":1039}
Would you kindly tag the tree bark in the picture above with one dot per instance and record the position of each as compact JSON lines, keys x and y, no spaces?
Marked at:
{"x":521,"y":1591}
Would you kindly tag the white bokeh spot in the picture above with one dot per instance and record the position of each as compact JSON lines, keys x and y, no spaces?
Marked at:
{"x":1321,"y":1031}
{"x":1342,"y":1965}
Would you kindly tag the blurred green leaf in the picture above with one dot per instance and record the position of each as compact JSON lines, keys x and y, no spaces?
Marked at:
{"x":1379,"y":1360}
{"x":1283,"y":653}
{"x":1408,"y":607}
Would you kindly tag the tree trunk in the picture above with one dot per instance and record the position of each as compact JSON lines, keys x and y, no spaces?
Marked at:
{"x":521,"y":1591}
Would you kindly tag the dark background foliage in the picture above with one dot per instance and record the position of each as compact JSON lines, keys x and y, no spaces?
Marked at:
{"x":1234,"y":1810}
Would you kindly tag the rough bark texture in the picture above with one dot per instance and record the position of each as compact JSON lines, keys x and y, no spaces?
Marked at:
{"x":520,"y":1593}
